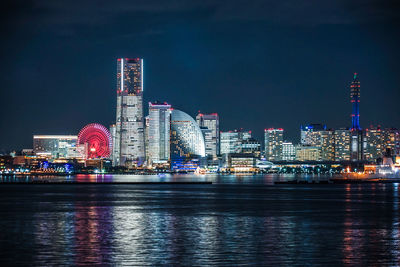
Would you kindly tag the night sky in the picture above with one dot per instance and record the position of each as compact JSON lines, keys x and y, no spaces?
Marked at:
{"x":258,"y":64}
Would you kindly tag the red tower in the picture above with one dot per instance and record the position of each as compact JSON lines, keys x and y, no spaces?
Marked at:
{"x":97,"y":140}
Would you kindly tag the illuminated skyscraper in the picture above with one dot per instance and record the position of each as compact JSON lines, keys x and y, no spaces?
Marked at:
{"x":158,"y":128}
{"x":273,"y":143}
{"x":129,"y":148}
{"x":211,"y":122}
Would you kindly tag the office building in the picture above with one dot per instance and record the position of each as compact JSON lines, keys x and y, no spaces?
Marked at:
{"x":327,"y":144}
{"x":158,"y":132}
{"x":308,"y":153}
{"x":374,"y":143}
{"x":342,"y":144}
{"x":211,"y":122}
{"x":310,"y":134}
{"x":230,"y":142}
{"x":251,"y":146}
{"x":57,"y":146}
{"x":273,"y":144}
{"x":129,"y":146}
{"x":288,"y":151}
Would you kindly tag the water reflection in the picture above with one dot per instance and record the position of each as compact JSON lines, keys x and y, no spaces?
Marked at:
{"x":223,"y":224}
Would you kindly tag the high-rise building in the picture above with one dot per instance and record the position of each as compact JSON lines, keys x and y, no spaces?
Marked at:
{"x":273,"y":144}
{"x":374,"y":139}
{"x":186,"y":138}
{"x":211,"y":122}
{"x":129,"y":147}
{"x":342,"y":144}
{"x":327,"y":145}
{"x":310,"y":134}
{"x":230,"y":142}
{"x":251,"y":146}
{"x":158,"y":130}
{"x":391,"y":140}
{"x":288,"y":151}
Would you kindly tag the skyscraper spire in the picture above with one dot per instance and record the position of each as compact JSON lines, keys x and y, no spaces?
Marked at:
{"x":355,"y":101}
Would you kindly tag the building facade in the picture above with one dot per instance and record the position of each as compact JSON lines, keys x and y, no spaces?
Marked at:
{"x":211,"y":122}
{"x":288,"y":151}
{"x":186,"y":138}
{"x":342,"y":144}
{"x":57,"y":146}
{"x":308,"y":153}
{"x":129,"y":146}
{"x":273,"y":139}
{"x":230,"y":142}
{"x":158,"y":132}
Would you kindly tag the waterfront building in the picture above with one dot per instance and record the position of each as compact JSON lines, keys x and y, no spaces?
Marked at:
{"x":239,"y":162}
{"x":308,"y":153}
{"x":273,"y":144}
{"x":186,"y":138}
{"x":158,"y":132}
{"x":56,"y":146}
{"x":251,"y":146}
{"x":310,"y":135}
{"x":288,"y":151}
{"x":129,"y":146}
{"x":230,"y":142}
{"x":327,"y":144}
{"x":211,"y":122}
{"x":391,"y":140}
{"x":374,"y":140}
{"x":342,"y":144}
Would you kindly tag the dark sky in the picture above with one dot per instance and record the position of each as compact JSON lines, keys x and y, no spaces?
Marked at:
{"x":259,"y":64}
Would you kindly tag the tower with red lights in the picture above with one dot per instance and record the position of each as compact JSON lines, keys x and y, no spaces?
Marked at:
{"x":355,"y":102}
{"x":357,"y":134}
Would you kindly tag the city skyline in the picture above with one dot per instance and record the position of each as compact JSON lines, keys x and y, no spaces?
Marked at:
{"x":69,"y":65}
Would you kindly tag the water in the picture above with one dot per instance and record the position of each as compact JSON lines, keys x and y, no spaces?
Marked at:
{"x":244,"y":220}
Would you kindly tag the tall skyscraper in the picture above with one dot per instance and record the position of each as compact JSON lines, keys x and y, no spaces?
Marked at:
{"x":273,"y":143}
{"x":211,"y":122}
{"x":129,"y":147}
{"x":158,"y":132}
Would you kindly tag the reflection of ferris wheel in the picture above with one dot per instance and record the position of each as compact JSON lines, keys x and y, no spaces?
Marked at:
{"x":97,"y":138}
